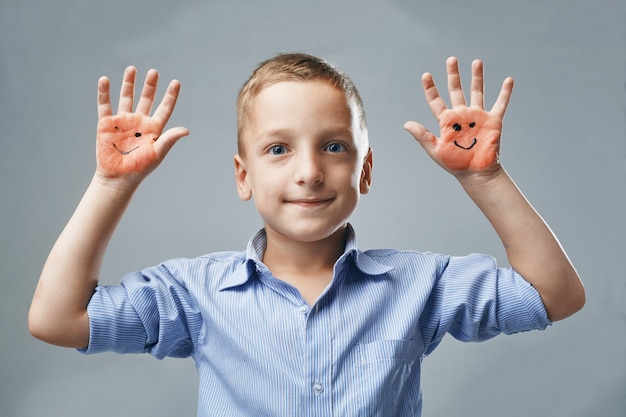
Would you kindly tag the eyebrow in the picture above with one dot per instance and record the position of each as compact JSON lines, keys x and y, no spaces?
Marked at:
{"x":275,"y":133}
{"x":287,"y":133}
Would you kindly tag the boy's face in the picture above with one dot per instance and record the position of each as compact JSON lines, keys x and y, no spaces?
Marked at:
{"x":305,"y":160}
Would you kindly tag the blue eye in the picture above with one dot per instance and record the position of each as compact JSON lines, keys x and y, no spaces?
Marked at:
{"x":335,"y":147}
{"x":278,"y":150}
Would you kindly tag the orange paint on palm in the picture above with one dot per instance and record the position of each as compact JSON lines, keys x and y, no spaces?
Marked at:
{"x":469,"y":138}
{"x":126,"y":143}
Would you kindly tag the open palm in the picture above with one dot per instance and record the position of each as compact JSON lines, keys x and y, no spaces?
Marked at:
{"x":132,"y":142}
{"x":469,"y":135}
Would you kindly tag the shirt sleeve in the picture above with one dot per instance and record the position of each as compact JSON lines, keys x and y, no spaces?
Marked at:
{"x":149,"y":312}
{"x":474,"y":300}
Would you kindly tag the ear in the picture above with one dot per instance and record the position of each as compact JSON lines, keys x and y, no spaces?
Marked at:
{"x":366,"y":173}
{"x":241,"y":176}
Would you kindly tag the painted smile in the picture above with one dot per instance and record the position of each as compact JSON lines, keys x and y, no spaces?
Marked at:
{"x":124,"y":152}
{"x":466,"y":148}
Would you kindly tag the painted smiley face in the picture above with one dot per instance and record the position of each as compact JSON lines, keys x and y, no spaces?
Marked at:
{"x":469,"y":138}
{"x":126,"y":143}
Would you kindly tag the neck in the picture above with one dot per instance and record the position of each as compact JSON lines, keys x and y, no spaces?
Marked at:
{"x":308,"y":266}
{"x":283,"y":253}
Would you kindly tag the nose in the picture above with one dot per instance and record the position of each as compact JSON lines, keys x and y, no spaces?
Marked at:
{"x":309,"y":169}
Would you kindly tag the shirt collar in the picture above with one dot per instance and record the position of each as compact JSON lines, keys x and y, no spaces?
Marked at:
{"x":256,"y":249}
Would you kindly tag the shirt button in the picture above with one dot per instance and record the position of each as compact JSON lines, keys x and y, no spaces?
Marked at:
{"x":318,"y":387}
{"x":304,"y":309}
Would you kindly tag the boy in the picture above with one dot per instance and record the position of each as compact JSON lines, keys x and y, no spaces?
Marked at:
{"x":303,"y":323}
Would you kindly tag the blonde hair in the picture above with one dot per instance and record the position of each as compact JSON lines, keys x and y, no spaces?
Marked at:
{"x":293,"y":67}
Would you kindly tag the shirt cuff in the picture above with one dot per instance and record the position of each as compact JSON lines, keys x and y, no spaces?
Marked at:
{"x":113,"y":323}
{"x":520,"y":307}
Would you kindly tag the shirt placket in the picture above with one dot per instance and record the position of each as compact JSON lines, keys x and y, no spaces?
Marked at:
{"x":319,"y":361}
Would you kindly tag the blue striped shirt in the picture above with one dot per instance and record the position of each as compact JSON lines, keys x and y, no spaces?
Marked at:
{"x":260,"y":350}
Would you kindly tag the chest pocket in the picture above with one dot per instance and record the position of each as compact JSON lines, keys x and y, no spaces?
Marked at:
{"x":390,"y":374}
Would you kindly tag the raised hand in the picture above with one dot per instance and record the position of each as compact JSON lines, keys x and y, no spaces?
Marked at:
{"x":132,"y":143}
{"x":470,"y":135}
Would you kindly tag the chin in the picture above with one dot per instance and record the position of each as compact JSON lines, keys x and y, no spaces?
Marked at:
{"x":310,"y":233}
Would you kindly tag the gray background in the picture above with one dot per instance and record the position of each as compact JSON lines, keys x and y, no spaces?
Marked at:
{"x":564,"y":144}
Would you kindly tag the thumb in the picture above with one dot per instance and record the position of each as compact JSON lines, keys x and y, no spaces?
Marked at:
{"x":168,"y":139}
{"x":421,"y":134}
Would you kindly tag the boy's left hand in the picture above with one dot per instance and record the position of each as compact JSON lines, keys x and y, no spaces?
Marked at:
{"x":470,"y":135}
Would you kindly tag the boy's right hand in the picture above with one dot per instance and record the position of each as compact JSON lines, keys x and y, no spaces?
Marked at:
{"x":130,"y":144}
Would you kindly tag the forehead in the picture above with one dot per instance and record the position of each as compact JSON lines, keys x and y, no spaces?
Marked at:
{"x":292,"y":103}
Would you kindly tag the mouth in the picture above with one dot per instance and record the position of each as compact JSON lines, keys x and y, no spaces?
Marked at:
{"x":468,"y":147}
{"x":310,"y":202}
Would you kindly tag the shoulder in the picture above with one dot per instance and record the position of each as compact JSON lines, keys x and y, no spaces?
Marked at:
{"x":401,"y":264}
{"x":437,"y":265}
{"x":397,"y":257}
{"x":212,"y":267}
{"x":209,"y":259}
{"x":402,"y":254}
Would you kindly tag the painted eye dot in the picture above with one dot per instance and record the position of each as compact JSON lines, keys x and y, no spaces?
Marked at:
{"x":472,"y":124}
{"x":456,"y":127}
{"x":335,"y":147}
{"x":137,"y":134}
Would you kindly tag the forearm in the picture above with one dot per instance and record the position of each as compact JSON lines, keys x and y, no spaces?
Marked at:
{"x":532,"y":249}
{"x":58,"y":312}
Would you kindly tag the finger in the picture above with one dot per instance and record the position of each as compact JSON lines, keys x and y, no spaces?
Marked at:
{"x":455,"y":89}
{"x":477,"y":90}
{"x":502,"y":102}
{"x":433,"y":98}
{"x":148,"y":92}
{"x":166,"y":107}
{"x":104,"y":98}
{"x":168,"y":139}
{"x":127,"y":93}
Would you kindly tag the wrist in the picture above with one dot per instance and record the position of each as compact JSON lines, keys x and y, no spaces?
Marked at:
{"x":480,"y":179}
{"x":116,"y":185}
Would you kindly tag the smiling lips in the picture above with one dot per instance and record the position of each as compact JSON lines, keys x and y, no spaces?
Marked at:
{"x":310,"y":202}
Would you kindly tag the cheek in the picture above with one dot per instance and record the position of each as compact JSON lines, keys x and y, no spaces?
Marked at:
{"x":264,"y":183}
{"x":356,"y":180}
